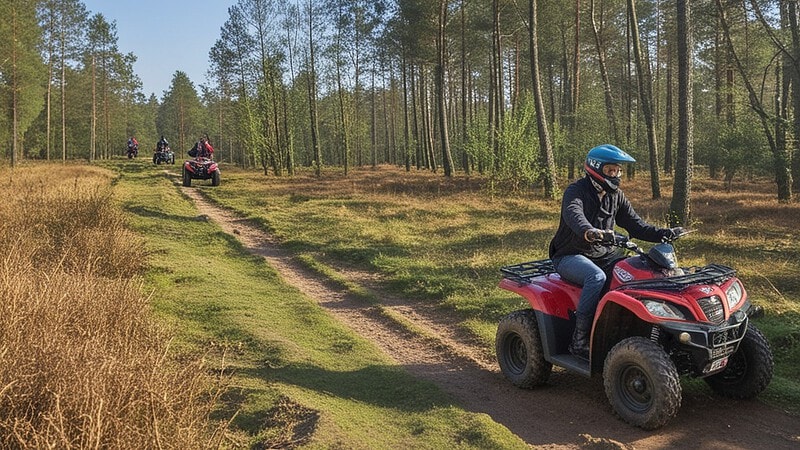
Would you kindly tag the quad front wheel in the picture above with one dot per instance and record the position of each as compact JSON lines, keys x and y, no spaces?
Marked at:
{"x":519,"y":350}
{"x":215,"y":178}
{"x":641,"y":383}
{"x":187,"y":178}
{"x":749,"y":370}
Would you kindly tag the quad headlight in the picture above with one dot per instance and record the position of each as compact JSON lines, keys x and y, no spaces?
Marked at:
{"x":734,"y":294}
{"x":662,"y":309}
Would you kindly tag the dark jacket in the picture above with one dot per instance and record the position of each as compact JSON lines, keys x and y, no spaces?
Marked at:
{"x":582,"y":210}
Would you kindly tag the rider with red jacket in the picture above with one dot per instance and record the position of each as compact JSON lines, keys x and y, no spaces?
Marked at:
{"x":202,"y":149}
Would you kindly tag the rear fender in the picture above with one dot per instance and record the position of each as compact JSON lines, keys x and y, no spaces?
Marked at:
{"x":547,"y":294}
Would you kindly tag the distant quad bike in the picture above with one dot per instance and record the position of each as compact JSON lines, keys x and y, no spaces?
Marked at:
{"x":133,"y":151}
{"x":656,"y":322}
{"x":164,"y":155}
{"x":200,"y":169}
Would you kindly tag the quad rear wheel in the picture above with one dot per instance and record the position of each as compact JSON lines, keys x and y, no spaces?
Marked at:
{"x":641,"y":383}
{"x":519,"y":350}
{"x":749,"y":370}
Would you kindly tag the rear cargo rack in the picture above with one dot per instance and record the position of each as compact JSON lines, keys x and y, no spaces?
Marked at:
{"x":523,"y":272}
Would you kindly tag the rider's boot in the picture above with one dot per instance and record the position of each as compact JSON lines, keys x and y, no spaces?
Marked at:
{"x":580,"y":337}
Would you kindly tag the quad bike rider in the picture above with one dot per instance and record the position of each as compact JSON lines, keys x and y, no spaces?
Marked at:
{"x":133,"y":147}
{"x":203,"y":166}
{"x":590,"y":209}
{"x":654,"y":322}
{"x":163,"y":153}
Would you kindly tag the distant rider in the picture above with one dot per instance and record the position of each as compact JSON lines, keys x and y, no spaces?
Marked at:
{"x":133,"y":145}
{"x":162,"y":144}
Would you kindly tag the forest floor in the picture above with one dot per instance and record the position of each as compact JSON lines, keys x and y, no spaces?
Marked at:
{"x":569,"y":412}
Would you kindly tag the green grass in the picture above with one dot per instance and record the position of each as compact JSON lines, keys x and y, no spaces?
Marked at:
{"x":442,"y":241}
{"x":294,"y":370}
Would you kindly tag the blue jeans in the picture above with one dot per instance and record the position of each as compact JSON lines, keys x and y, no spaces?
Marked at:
{"x":581,"y":270}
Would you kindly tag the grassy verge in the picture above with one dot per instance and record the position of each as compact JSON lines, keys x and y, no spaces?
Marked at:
{"x":82,"y":362}
{"x":441,"y":241}
{"x":297,"y":376}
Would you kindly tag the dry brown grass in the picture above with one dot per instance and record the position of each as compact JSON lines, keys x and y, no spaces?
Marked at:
{"x":82,"y":363}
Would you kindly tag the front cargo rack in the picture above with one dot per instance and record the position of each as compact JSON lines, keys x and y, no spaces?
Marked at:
{"x":710,"y":274}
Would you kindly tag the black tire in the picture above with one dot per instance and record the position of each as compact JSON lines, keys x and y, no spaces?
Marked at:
{"x":749,"y":370}
{"x":187,"y":178}
{"x":215,"y":178}
{"x":518,"y":346}
{"x":155,"y":160}
{"x":172,"y":160}
{"x":641,"y":383}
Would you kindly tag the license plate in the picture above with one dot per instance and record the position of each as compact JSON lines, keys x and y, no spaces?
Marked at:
{"x":718,"y":364}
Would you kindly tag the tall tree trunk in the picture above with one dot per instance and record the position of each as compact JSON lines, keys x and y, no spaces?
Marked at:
{"x":607,"y":93}
{"x":406,"y":131}
{"x":93,"y":125}
{"x":668,"y":114}
{"x":464,"y":96}
{"x":63,"y":98}
{"x":646,"y":97}
{"x":576,"y":65}
{"x":795,"y":81}
{"x":373,"y":119}
{"x":427,"y":121}
{"x":342,"y":120}
{"x":680,"y":207}
{"x":441,"y":62}
{"x":545,"y":146}
{"x":312,"y":94}
{"x":416,"y":114}
{"x":497,"y":69}
{"x":14,"y":76}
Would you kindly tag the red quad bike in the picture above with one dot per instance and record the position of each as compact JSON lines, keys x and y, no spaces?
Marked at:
{"x":200,"y":169}
{"x":656,"y":322}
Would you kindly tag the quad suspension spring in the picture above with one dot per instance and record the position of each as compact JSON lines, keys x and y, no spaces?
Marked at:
{"x":655,"y":333}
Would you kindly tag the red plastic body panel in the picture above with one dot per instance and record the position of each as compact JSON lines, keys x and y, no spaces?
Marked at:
{"x":554,"y":296}
{"x":549,"y":294}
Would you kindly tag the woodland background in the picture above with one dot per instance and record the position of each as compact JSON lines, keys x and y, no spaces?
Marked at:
{"x":517,"y":90}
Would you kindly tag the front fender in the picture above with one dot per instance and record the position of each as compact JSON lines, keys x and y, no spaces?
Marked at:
{"x":627,"y":302}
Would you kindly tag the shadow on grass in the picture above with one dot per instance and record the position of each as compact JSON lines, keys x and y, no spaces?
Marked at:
{"x":382,"y":386}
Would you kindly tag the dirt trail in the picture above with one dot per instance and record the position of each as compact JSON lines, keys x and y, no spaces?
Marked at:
{"x":569,"y":412}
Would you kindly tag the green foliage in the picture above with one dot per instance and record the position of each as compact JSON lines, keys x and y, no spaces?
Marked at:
{"x":21,"y":73}
{"x":518,"y":142}
{"x":182,"y":113}
{"x":738,"y":150}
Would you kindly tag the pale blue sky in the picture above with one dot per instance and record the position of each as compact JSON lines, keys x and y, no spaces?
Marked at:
{"x":165,"y":35}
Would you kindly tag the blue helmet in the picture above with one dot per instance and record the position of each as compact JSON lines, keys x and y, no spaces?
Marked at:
{"x":600,"y":156}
